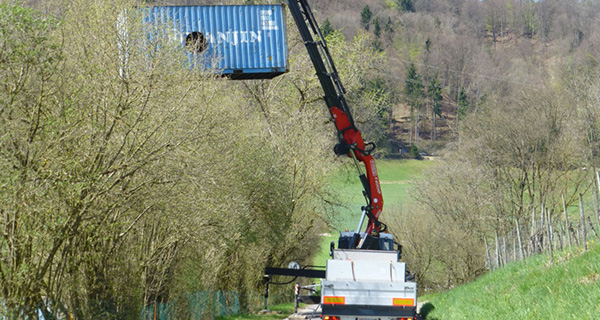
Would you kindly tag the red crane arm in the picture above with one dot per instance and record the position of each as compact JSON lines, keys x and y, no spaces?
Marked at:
{"x":352,"y":144}
{"x":350,"y":141}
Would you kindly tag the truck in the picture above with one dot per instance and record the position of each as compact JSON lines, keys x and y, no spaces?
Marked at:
{"x":364,"y":279}
{"x":367,"y":283}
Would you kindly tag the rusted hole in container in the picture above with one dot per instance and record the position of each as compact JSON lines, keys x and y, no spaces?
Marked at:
{"x":196,"y":42}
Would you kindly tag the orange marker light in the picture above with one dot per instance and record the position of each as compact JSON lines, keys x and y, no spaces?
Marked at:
{"x":334,"y":300}
{"x":404,"y":302}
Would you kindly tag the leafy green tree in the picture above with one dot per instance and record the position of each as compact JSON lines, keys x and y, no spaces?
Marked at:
{"x":123,"y":174}
{"x":365,"y":17}
{"x":530,"y":27}
{"x":368,"y":96}
{"x":29,"y":61}
{"x":375,"y":94}
{"x":452,"y":192}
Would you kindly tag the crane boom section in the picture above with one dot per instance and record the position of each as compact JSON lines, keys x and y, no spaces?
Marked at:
{"x":350,"y":139}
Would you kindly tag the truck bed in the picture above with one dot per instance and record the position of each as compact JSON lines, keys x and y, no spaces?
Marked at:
{"x":367,"y":284}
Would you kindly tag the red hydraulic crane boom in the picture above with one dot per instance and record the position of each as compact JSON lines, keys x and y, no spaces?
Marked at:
{"x":350,"y":140}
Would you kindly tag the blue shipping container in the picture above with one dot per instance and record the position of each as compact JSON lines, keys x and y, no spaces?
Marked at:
{"x":247,"y":41}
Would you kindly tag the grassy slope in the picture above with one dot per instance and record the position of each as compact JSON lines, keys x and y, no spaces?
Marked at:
{"x":568,"y":288}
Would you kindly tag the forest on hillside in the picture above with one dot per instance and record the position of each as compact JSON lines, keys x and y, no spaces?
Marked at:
{"x":472,"y":50}
{"x":131,"y":183}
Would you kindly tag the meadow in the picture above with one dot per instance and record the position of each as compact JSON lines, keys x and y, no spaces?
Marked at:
{"x":396,"y":177}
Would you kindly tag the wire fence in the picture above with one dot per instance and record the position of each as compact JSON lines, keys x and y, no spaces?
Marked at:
{"x":548,"y":231}
{"x":210,"y":305}
{"x":199,"y":305}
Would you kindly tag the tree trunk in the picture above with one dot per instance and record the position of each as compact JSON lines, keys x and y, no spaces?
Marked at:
{"x":543,"y":227}
{"x":514,"y":249}
{"x":504,"y":255}
{"x":533,"y":223}
{"x":432,"y":137}
{"x":568,"y":235}
{"x":521,"y":256}
{"x":417,"y":129}
{"x":412,"y":123}
{"x":497,"y":251}
{"x":561,"y":235}
{"x":592,"y":227}
{"x":487,"y":253}
{"x":596,"y":197}
{"x":550,"y":237}
{"x":583,"y":230}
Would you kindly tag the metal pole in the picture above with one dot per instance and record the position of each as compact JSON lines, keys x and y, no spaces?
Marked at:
{"x":268,"y":279}
{"x":364,"y":213}
{"x":297,"y":293}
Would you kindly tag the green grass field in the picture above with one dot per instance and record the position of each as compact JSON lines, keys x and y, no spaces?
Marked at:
{"x":568,"y":288}
{"x":396,"y":178}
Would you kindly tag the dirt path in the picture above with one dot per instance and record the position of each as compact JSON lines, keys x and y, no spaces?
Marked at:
{"x":308,"y":312}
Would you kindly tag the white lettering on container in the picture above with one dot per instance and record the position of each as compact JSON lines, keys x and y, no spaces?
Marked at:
{"x":234,"y":37}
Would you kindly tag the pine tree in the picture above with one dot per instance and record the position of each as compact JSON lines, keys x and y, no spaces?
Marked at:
{"x":406,"y":5}
{"x":365,"y":17}
{"x":326,"y":28}
{"x":389,"y":26}
{"x":377,"y":28}
{"x":413,"y":87}
{"x":463,"y":104}
{"x":435,"y":92}
{"x":413,"y":84}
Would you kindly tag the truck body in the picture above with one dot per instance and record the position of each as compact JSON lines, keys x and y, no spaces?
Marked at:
{"x":367,"y":284}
